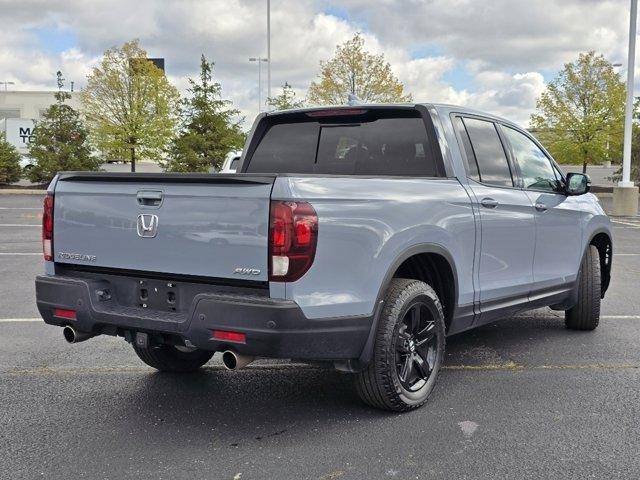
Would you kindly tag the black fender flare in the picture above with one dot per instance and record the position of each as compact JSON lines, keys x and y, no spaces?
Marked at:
{"x":606,"y":273}
{"x":573,"y":299}
{"x":367,"y":351}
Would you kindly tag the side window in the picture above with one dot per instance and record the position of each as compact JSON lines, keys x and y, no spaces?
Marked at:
{"x":536,"y":169}
{"x":472,"y":165}
{"x":493,"y":166}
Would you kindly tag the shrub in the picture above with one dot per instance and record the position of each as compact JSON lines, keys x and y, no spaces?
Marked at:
{"x":10,"y":170}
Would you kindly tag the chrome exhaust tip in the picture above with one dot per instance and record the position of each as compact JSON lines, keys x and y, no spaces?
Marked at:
{"x":234,"y":361}
{"x":71,"y":335}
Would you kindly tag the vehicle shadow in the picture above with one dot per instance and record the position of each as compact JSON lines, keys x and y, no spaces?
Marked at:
{"x":523,"y":339}
{"x":265,"y":401}
{"x":252,"y":405}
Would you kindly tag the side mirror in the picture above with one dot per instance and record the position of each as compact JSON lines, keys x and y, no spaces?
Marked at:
{"x":577,"y":184}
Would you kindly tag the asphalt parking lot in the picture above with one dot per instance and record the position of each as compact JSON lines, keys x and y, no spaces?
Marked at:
{"x":523,"y":398}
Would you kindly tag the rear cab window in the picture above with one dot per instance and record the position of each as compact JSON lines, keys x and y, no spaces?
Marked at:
{"x":348,"y":142}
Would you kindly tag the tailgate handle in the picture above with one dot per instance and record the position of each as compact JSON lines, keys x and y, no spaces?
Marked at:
{"x":148,"y":198}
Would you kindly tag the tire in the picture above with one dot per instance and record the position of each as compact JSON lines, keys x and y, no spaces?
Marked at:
{"x":168,"y":358}
{"x":387,"y":382}
{"x":585,"y":315}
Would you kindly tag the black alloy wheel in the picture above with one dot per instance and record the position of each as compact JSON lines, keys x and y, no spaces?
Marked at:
{"x":416,"y":347}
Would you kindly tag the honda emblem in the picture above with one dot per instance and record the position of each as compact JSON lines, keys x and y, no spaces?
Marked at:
{"x":147,"y":225}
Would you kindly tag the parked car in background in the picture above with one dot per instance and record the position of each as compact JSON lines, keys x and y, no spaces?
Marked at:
{"x":231,"y":162}
{"x":356,"y":236}
{"x":26,"y":162}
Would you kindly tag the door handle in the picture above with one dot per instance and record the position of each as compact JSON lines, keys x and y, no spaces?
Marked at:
{"x":489,"y":203}
{"x":149,"y":198}
{"x":541,"y":207}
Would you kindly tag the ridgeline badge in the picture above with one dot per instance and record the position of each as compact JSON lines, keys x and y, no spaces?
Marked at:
{"x":83,"y":257}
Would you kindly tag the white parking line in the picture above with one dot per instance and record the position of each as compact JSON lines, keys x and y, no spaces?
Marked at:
{"x":19,"y":320}
{"x":635,"y":225}
{"x":20,"y":208}
{"x":19,"y":225}
{"x":626,"y":254}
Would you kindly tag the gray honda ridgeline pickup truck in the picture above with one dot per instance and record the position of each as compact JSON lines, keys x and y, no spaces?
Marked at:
{"x":357,"y":236}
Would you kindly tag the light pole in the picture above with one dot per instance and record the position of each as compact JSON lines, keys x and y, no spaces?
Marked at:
{"x":625,"y":195}
{"x":7,"y":83}
{"x":259,"y":60}
{"x":268,"y":48}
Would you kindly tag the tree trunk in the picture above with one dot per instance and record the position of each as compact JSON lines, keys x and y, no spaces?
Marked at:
{"x":584,"y":167}
{"x":133,"y":159}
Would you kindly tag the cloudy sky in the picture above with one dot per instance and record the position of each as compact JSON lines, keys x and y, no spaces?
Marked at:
{"x":493,"y":55}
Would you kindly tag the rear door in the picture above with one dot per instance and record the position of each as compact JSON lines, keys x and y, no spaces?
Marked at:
{"x":200,"y":225}
{"x":506,"y":218}
{"x":558,"y":225}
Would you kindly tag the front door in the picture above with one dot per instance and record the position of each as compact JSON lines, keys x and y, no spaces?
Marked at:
{"x":558,"y":222}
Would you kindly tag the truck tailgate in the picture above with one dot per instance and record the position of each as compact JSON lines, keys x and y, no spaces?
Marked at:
{"x":202,"y":225}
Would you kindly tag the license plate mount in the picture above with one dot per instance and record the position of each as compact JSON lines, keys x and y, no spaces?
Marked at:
{"x":158,"y":295}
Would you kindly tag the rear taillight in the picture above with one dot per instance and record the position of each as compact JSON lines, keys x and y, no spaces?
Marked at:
{"x":293,"y":235}
{"x":47,"y":227}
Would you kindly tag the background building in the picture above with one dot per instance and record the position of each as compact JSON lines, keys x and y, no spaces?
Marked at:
{"x":30,"y":105}
{"x":19,"y":111}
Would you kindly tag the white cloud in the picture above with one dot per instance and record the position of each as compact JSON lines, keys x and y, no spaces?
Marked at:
{"x":502,"y":46}
{"x":512,"y":96}
{"x":501,"y":33}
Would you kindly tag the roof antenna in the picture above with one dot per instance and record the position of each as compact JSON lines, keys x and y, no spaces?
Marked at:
{"x":352,"y":100}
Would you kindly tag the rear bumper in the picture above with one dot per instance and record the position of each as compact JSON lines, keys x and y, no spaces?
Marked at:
{"x":273,"y":328}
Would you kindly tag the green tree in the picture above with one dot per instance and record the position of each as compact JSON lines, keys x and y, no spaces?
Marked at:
{"x":210,"y":128}
{"x":130,"y":105}
{"x":60,"y":141}
{"x":286,"y":100}
{"x":10,"y":170}
{"x":579,"y":117}
{"x":352,"y":70}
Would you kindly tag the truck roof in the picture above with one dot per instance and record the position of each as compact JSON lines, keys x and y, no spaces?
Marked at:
{"x":442,"y":108}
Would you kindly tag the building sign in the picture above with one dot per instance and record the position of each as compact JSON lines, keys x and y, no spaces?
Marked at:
{"x":19,"y":133}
